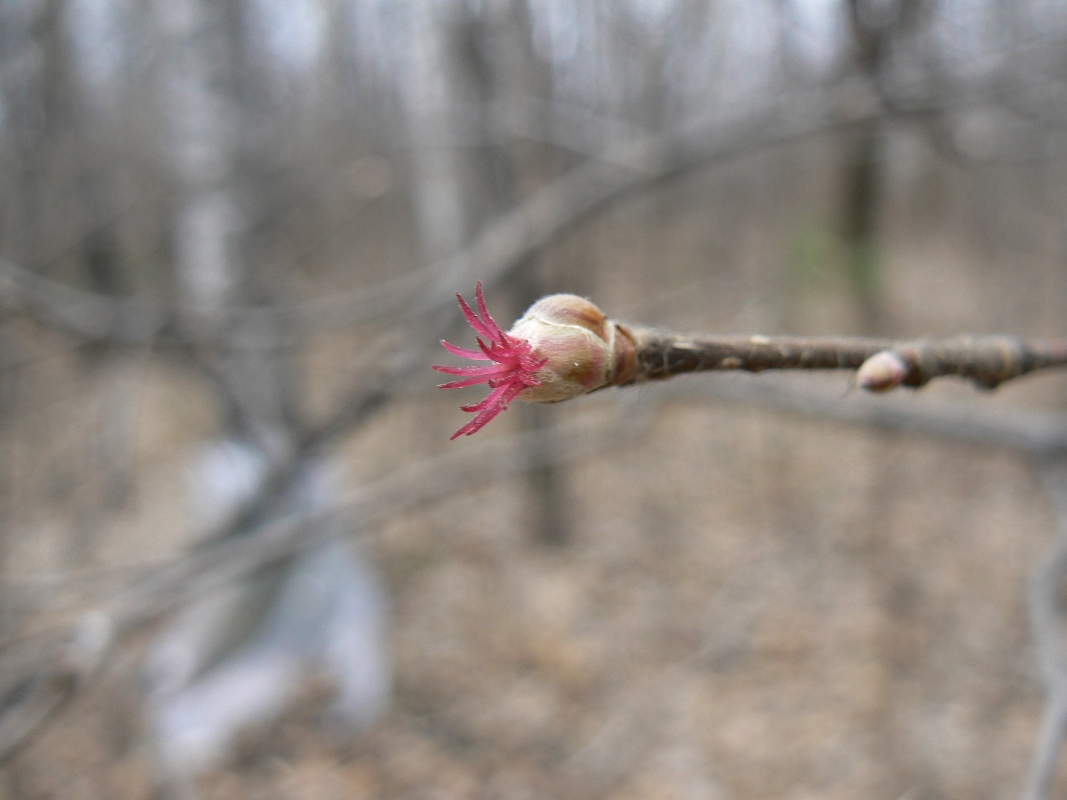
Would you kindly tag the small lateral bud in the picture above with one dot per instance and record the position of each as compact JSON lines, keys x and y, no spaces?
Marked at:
{"x":577,"y":342}
{"x":881,"y":372}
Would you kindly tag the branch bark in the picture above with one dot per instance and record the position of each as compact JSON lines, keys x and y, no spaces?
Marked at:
{"x":986,"y":360}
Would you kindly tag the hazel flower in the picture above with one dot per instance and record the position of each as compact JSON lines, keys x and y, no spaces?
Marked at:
{"x":561,"y":348}
{"x":514,"y":368}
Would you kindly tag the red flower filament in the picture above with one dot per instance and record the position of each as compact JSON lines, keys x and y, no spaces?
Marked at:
{"x":514,"y":366}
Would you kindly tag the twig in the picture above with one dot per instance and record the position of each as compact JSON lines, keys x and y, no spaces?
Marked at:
{"x":564,"y":347}
{"x":987,"y":360}
{"x":1040,"y":434}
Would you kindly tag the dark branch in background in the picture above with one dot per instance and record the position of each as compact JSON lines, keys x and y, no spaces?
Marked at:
{"x":82,"y":313}
{"x":1039,"y":434}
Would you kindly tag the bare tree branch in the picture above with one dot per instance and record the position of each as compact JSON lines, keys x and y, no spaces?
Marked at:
{"x":1039,"y":434}
{"x":79,"y":312}
{"x":987,"y":360}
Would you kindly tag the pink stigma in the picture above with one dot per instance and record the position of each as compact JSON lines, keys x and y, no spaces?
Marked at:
{"x":514,"y":366}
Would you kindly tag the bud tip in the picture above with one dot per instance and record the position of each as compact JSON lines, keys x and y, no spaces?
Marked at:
{"x":881,"y":372}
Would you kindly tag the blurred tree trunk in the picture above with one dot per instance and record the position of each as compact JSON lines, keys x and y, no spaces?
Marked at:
{"x":880,"y":31}
{"x":862,"y":179}
{"x":460,"y":62}
{"x":209,"y":98}
{"x":208,"y":94}
{"x":59,"y":201}
{"x":431,"y":104}
{"x":201,"y":74}
{"x":206,"y":99}
{"x":501,"y":69}
{"x":46,"y":122}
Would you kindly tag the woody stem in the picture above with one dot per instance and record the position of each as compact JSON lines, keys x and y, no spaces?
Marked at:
{"x":987,"y":360}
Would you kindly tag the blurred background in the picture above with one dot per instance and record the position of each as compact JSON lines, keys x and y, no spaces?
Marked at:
{"x":231,"y":232}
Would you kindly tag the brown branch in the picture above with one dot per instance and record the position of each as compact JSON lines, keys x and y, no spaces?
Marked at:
{"x":565,"y":347}
{"x":986,"y":360}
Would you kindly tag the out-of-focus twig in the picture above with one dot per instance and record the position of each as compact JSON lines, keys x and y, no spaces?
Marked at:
{"x":1043,"y":600}
{"x":83,"y":313}
{"x":1040,"y":434}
